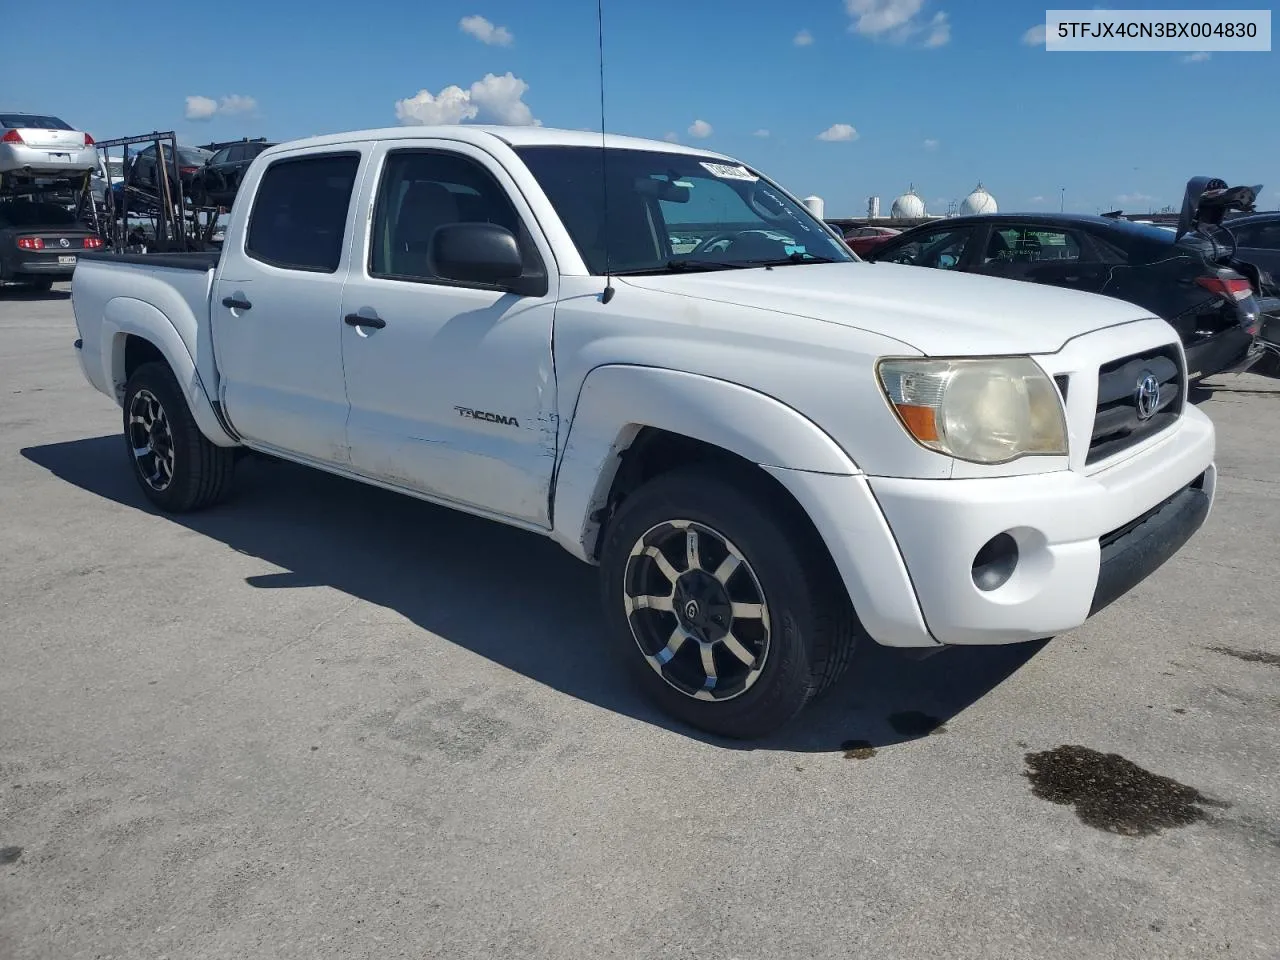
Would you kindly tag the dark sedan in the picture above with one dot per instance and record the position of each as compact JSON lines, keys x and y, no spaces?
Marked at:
{"x":188,"y":163}
{"x":40,"y":243}
{"x":1185,"y":281}
{"x":221,"y":176}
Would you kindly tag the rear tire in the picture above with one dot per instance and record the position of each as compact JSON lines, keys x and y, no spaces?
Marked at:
{"x":756,"y":558}
{"x":177,"y":467}
{"x":41,"y":286}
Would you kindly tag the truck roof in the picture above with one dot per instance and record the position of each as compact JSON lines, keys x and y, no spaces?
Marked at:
{"x":479,"y":134}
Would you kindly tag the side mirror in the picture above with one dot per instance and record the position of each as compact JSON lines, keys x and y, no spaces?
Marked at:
{"x":475,"y":253}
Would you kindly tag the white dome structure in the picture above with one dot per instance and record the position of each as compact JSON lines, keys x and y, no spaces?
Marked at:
{"x":909,"y":206}
{"x":978,"y":202}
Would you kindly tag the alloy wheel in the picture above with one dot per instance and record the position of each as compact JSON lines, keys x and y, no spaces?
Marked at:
{"x":151,"y":440}
{"x":696,"y":610}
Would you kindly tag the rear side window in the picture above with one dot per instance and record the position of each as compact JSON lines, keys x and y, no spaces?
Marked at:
{"x":1260,"y":236}
{"x":299,"y":215}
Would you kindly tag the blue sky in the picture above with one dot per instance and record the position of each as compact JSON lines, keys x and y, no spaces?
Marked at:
{"x":939,"y":93}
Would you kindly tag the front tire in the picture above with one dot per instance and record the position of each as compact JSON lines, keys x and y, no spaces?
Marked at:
{"x":177,"y":467}
{"x":724,"y":606}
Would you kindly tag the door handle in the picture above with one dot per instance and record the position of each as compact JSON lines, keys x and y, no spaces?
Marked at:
{"x":236,"y":303}
{"x":356,"y":320}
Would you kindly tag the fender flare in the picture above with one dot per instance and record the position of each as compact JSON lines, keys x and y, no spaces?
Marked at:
{"x":124,"y":317}
{"x":617,"y":401}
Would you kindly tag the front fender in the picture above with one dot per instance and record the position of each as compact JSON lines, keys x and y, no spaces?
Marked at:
{"x":124,"y":317}
{"x":616,"y":401}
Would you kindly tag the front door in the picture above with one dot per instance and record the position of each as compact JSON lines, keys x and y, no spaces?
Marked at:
{"x":451,"y":385}
{"x":277,"y":306}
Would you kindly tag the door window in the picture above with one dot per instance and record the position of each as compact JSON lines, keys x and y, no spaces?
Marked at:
{"x":422,"y":191}
{"x":940,"y":249}
{"x":1258,"y":236}
{"x":221,"y":156}
{"x":299,"y":215}
{"x":1022,"y":245}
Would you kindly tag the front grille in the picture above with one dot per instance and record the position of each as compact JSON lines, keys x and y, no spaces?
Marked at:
{"x":1116,"y":423}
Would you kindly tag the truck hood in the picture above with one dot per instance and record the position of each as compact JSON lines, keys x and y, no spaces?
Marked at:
{"x":938,"y":312}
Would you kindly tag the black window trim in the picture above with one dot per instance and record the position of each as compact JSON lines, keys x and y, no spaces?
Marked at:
{"x":296,"y":158}
{"x":538,"y":283}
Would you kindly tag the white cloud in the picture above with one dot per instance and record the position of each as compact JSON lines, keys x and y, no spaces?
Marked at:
{"x":839,"y":131}
{"x":1036,"y":199}
{"x":700,"y":129}
{"x":237,"y":104}
{"x":931,"y":144}
{"x":201,"y":108}
{"x":939,"y":31}
{"x":484,"y":31}
{"x":898,"y":21}
{"x":672,"y":137}
{"x":496,"y":99}
{"x":1035,"y":36}
{"x":762,"y":133}
{"x":1200,"y":56}
{"x":803,"y":38}
{"x":206,"y":108}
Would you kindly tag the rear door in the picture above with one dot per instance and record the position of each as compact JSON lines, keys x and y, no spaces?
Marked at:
{"x":277,"y":303}
{"x":1060,"y":256}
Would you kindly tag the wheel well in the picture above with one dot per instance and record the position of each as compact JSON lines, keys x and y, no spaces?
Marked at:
{"x":138,"y":351}
{"x":654,"y":452}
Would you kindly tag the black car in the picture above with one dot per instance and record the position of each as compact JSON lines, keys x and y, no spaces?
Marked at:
{"x":1187,"y":280}
{"x":218,"y":181}
{"x":188,"y":162}
{"x":40,"y":243}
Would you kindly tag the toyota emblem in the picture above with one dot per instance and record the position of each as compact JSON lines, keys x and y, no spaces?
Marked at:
{"x":1147,"y":396}
{"x":64,"y":242}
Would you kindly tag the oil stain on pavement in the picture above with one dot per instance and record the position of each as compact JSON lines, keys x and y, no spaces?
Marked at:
{"x":1250,"y":656}
{"x":1114,"y":794}
{"x":10,"y":854}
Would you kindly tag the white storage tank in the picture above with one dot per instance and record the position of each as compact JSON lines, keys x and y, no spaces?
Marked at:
{"x":815,"y":206}
{"x":978,"y":202}
{"x":909,"y":206}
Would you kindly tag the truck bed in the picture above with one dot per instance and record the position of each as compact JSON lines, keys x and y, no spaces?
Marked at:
{"x":200,"y":261}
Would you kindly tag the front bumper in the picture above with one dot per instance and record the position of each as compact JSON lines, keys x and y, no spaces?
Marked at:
{"x":906,"y":548}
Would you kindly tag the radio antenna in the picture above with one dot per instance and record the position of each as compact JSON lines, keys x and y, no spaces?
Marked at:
{"x":604,"y":159}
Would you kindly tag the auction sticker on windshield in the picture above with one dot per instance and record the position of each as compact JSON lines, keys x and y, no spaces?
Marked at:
{"x":729,"y":171}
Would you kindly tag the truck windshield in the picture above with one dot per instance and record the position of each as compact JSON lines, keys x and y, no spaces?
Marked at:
{"x":670,"y":212}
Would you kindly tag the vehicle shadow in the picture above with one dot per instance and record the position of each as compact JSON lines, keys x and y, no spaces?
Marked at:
{"x":540,"y":608}
{"x":27,"y":293}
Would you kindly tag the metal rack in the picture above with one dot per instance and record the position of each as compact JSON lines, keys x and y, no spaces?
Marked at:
{"x":177,"y":224}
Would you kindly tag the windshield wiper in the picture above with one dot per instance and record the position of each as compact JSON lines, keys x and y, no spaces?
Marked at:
{"x":794,"y":258}
{"x":679,"y":266}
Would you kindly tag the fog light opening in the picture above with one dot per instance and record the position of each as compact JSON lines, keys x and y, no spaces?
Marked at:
{"x":995,"y":562}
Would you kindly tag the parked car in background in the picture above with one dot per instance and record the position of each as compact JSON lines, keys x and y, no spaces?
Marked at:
{"x":188,"y":162}
{"x":1257,"y":240}
{"x":43,"y":146}
{"x":1184,"y":281}
{"x":98,"y":182}
{"x":862,"y":240}
{"x":40,"y":243}
{"x":217,"y":182}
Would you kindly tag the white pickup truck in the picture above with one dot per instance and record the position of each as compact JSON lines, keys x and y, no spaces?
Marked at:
{"x":769,"y":447}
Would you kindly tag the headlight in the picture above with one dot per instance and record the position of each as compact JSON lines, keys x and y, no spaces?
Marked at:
{"x":986,"y":411}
